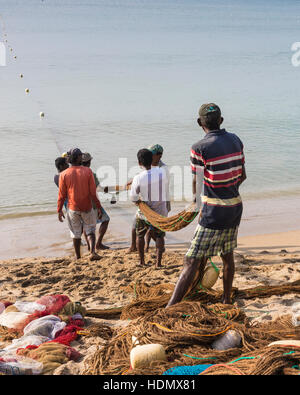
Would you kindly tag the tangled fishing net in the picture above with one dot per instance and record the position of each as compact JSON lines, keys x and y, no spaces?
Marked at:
{"x":188,"y":329}
{"x":169,"y":224}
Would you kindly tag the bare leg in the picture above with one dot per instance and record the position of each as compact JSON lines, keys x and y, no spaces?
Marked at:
{"x":141,"y":248}
{"x":148,"y":239}
{"x":160,"y":248}
{"x":133,"y":247}
{"x":92,"y":240}
{"x":87,"y":241}
{"x":102,"y":231}
{"x":228,"y":275}
{"x":77,"y":244}
{"x":191,"y":274}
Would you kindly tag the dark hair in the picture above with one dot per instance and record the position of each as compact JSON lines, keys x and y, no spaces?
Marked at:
{"x":60,"y":162}
{"x":211,"y":121}
{"x":87,"y":163}
{"x":73,"y":159}
{"x":145,"y":157}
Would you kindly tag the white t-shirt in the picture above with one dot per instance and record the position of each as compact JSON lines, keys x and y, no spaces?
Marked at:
{"x":150,"y":187}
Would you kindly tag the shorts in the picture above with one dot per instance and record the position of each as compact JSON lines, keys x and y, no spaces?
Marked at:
{"x":208,"y":242}
{"x":80,"y":221}
{"x":141,"y":227}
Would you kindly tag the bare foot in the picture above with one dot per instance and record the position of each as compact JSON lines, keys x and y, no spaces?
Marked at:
{"x":95,"y":257}
{"x":102,"y":247}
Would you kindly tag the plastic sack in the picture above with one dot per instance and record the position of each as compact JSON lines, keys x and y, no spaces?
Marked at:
{"x":46,"y":326}
{"x":23,"y":342}
{"x":18,"y":365}
{"x":230,"y":339}
{"x":53,"y":303}
{"x":29,"y":307}
{"x":12,"y":319}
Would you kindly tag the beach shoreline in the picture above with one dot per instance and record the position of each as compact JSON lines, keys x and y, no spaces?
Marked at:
{"x":44,"y":235}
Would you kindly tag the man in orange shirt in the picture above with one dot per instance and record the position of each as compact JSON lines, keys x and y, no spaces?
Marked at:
{"x":77,"y":183}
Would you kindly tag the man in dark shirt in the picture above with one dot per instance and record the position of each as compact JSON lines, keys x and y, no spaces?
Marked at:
{"x":217,"y":163}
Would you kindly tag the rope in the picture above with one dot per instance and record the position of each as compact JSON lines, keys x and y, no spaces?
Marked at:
{"x":239,"y":372}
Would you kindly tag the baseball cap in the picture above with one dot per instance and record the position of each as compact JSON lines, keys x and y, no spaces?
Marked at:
{"x":156,"y":149}
{"x":86,"y":157}
{"x":210,"y":108}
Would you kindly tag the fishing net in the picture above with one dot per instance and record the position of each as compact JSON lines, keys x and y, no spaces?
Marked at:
{"x":169,"y":224}
{"x":188,"y":329}
{"x":265,"y":361}
{"x":148,"y":298}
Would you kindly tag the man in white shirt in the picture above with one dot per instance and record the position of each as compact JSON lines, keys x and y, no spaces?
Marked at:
{"x":150,"y":187}
{"x":157,"y":152}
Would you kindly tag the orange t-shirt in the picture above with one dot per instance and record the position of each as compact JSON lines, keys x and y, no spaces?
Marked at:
{"x":77,"y":183}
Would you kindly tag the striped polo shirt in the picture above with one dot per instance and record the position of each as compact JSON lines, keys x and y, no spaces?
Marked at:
{"x":219,"y":155}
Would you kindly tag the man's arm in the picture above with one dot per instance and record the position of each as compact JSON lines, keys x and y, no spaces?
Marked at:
{"x":135,"y":191}
{"x":243,"y":176}
{"x":93,"y":192}
{"x":197,"y":167}
{"x":197,"y":185}
{"x":62,"y":195}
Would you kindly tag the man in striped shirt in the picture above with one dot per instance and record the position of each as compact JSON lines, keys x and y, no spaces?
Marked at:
{"x":217,"y":163}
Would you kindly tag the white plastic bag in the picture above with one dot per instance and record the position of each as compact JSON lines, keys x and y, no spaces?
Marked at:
{"x":47,"y":326}
{"x":22,"y":342}
{"x":29,"y":307}
{"x":12,"y":319}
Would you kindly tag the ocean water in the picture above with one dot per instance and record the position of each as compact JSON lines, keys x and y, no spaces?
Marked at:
{"x":114,"y":76}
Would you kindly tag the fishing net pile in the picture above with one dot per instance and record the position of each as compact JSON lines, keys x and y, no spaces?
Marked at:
{"x":188,"y":330}
{"x":39,"y":334}
{"x":169,"y":224}
{"x":147,"y":298}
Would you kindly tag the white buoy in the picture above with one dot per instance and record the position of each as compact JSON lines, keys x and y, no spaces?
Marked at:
{"x":142,"y":356}
{"x":15,"y":57}
{"x":26,"y":90}
{"x":42,"y":114}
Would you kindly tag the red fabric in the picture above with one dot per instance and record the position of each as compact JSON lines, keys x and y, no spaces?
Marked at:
{"x":66,"y":335}
{"x":72,"y":354}
{"x":54,"y":304}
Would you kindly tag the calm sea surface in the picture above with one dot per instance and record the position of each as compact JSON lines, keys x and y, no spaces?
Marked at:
{"x":116,"y":76}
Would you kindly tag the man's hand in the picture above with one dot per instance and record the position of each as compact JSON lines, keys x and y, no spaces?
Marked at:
{"x":61,"y":216}
{"x":137,"y":202}
{"x":99,"y":213}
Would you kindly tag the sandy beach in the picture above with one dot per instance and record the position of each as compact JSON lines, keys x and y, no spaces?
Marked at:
{"x":270,"y":259}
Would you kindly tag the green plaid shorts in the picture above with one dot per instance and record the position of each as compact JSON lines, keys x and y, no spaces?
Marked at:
{"x":211,"y":242}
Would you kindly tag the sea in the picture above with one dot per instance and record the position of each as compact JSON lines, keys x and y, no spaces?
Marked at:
{"x":114,"y":76}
